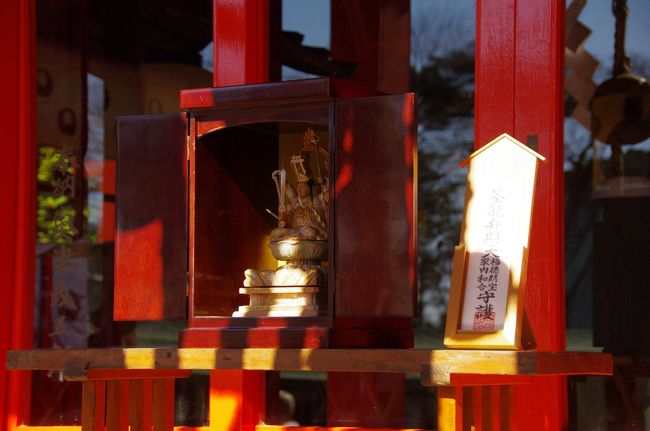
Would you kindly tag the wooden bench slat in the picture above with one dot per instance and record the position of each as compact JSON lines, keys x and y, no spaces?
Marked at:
{"x":354,"y":360}
{"x":163,"y":404}
{"x":88,"y":400}
{"x":117,"y":405}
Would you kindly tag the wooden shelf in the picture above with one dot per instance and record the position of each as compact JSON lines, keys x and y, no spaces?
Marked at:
{"x":437,"y":367}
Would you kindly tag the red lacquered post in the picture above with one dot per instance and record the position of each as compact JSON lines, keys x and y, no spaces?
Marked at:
{"x":519,"y":90}
{"x":18,"y":194}
{"x":241,"y":56}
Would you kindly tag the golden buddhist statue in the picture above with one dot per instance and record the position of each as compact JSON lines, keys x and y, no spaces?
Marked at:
{"x":300,"y":239}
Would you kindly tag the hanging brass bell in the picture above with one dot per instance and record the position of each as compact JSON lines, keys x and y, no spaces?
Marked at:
{"x":621,"y":110}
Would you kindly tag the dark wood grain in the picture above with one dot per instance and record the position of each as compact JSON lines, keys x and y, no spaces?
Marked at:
{"x":372,"y":400}
{"x":259,"y":322}
{"x":375,"y":37}
{"x":100,"y":405}
{"x":312,"y":112}
{"x":136,"y":374}
{"x":298,"y":332}
{"x":374,"y":198}
{"x":163,"y":404}
{"x":275,"y":92}
{"x":620,"y":285}
{"x":140,"y":405}
{"x":88,"y":406}
{"x":151,"y":237}
{"x":117,"y":405}
{"x":229,"y":195}
{"x":371,"y":338}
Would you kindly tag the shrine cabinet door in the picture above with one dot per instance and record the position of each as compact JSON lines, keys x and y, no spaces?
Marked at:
{"x":375,"y":194}
{"x":151,"y":201}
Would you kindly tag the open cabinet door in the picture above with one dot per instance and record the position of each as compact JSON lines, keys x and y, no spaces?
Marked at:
{"x":151,"y":237}
{"x":375,"y":206}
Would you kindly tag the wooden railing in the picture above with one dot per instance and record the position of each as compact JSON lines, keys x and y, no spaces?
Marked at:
{"x":133,"y":387}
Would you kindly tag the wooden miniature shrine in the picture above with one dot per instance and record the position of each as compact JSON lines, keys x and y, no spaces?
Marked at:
{"x":211,"y":226}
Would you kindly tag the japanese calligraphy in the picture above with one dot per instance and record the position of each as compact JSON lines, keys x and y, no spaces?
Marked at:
{"x":487,"y":280}
{"x":486,"y":288}
{"x":495,"y":220}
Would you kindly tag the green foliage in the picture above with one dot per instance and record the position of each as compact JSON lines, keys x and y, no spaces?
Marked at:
{"x":55,"y":220}
{"x":50,"y":162}
{"x":55,"y":210}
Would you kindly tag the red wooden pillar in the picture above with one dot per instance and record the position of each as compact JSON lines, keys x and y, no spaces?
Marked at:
{"x":241,"y":56}
{"x":519,"y":90}
{"x":375,"y":36}
{"x":237,"y":400}
{"x":17,"y":194}
{"x":241,"y":42}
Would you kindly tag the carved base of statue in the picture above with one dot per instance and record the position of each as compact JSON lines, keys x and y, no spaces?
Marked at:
{"x":294,"y":289}
{"x":280,"y":301}
{"x":305,"y":273}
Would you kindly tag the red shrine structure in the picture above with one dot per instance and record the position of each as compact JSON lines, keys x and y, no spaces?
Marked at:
{"x":172,"y":169}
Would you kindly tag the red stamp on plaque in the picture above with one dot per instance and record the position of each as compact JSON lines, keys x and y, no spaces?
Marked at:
{"x":484,"y":321}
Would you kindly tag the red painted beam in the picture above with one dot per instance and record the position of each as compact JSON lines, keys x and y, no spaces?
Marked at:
{"x":519,"y":85}
{"x":539,"y":111}
{"x":18,"y":194}
{"x":241,"y":42}
{"x":495,"y":68}
{"x":376,"y":37}
{"x":241,"y":56}
{"x":237,"y":400}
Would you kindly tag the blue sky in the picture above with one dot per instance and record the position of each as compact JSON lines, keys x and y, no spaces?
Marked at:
{"x":597,"y":15}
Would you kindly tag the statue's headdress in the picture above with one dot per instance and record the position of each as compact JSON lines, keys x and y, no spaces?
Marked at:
{"x":310,"y":140}
{"x":299,"y":170}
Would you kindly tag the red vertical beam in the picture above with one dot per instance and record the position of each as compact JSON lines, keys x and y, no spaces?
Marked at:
{"x":539,"y":110}
{"x":17,"y":194}
{"x":376,"y":36}
{"x":237,"y":400}
{"x":241,"y":42}
{"x":495,"y":69}
{"x":519,"y":84}
{"x":359,"y":30}
{"x":241,"y":56}
{"x":366,"y":400}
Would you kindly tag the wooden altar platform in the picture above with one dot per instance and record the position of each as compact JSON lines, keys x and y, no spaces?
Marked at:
{"x":132,"y":388}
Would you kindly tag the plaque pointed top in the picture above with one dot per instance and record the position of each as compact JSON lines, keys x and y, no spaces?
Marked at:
{"x":503,"y":139}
